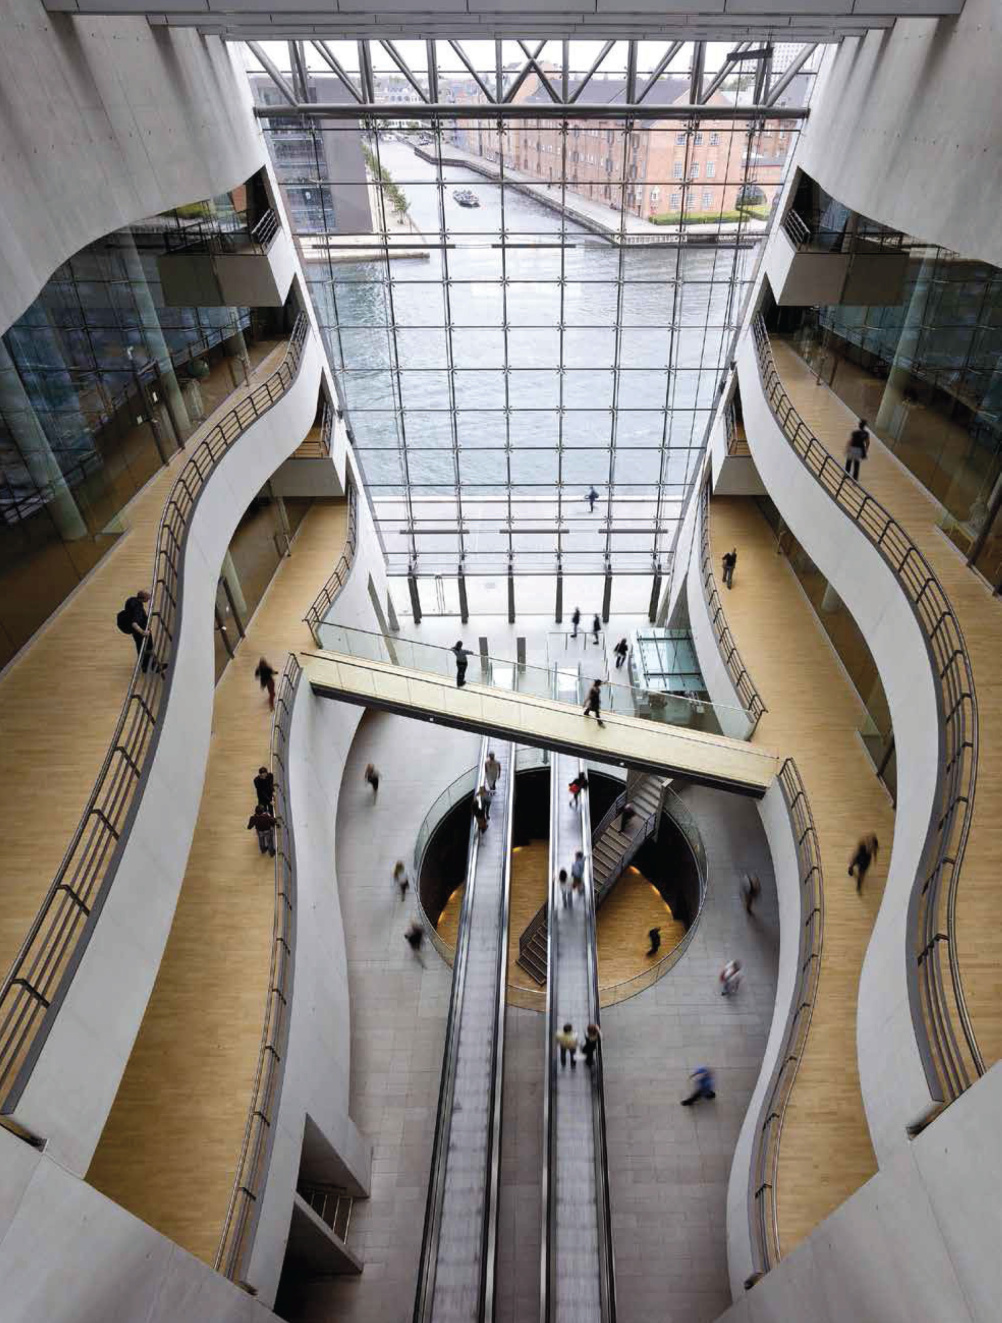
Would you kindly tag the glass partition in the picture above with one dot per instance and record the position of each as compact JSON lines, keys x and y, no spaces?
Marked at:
{"x":538,"y":681}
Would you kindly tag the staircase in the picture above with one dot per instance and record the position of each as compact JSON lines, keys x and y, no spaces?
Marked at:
{"x":612,"y":852}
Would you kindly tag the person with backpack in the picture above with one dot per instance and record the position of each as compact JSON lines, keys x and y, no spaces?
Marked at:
{"x":857,"y":449}
{"x":621,"y":649}
{"x":593,"y":702}
{"x":264,"y":823}
{"x":730,"y":564}
{"x":133,"y":620}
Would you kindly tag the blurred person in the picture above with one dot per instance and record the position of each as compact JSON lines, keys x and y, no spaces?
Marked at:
{"x":730,"y":978}
{"x":857,"y":448}
{"x":575,"y":621}
{"x":730,"y":564}
{"x":866,"y":853}
{"x":750,"y":891}
{"x":461,"y":654}
{"x":567,"y":1040}
{"x":704,"y":1086}
{"x":590,"y":1043}
{"x":593,"y":702}
{"x":264,"y":823}
{"x":372,"y":777}
{"x":492,"y":770}
{"x":621,"y":650}
{"x":264,"y":787}
{"x":564,"y":883}
{"x":265,"y":674}
{"x":400,"y":878}
{"x":655,"y":936}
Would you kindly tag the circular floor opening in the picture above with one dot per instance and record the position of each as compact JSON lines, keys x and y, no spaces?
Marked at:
{"x":661,"y":888}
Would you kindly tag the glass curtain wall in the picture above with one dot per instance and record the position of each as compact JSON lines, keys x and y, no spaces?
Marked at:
{"x":925,"y":374}
{"x":541,"y":309}
{"x":100,"y":383}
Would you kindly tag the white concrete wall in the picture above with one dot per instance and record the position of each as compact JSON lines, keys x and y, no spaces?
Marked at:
{"x":683,"y":549}
{"x":80,"y":1066}
{"x":318,"y":1056}
{"x":68,"y":1254}
{"x":257,"y":280}
{"x":907,"y":129}
{"x":919,"y":1241}
{"x":782,"y":846}
{"x":893,"y":1081}
{"x":105,"y":122}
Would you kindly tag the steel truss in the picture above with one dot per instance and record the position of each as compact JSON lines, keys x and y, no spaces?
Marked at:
{"x":500,"y":88}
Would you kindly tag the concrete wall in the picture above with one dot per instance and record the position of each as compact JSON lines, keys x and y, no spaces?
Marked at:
{"x":907,"y":129}
{"x":919,"y":1241}
{"x":69,"y":1254}
{"x":318,"y":1055}
{"x":80,"y":1066}
{"x":105,"y":122}
{"x":893,"y":1081}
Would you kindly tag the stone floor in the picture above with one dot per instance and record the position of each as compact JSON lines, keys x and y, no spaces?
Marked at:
{"x":669,"y":1165}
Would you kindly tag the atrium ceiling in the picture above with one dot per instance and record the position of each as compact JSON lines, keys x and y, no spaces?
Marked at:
{"x":705,"y":20}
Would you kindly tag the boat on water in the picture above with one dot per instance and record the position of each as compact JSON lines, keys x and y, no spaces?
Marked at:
{"x":466,"y":198}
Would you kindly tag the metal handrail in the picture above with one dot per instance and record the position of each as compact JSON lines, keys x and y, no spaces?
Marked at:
{"x":743,"y":684}
{"x":209,"y":236}
{"x":244,"y":1207}
{"x":944,"y":1033}
{"x":607,"y":1271}
{"x":796,"y":229}
{"x":43,"y":969}
{"x":425,"y":1294}
{"x":324,"y":600}
{"x":763,"y":1216}
{"x":265,"y":230}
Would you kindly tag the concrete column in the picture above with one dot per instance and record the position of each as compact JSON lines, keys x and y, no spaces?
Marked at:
{"x":892,"y":416}
{"x":156,"y":345}
{"x":229,"y":573}
{"x":33,"y":446}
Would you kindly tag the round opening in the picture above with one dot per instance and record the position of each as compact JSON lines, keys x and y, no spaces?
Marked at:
{"x":659,"y":888}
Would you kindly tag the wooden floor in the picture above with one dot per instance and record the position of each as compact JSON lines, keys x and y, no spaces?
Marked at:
{"x":813,"y":715}
{"x":170,"y":1149}
{"x":60,"y":699}
{"x":980,"y":616}
{"x":624,"y":920}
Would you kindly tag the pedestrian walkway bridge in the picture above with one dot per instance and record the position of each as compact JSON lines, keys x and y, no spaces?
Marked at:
{"x":654,"y":740}
{"x":456,"y":1281}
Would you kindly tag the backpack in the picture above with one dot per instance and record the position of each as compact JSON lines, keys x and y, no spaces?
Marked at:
{"x":124,"y":621}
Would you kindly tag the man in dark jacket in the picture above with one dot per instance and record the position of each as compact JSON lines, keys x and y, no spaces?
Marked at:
{"x":132,"y":619}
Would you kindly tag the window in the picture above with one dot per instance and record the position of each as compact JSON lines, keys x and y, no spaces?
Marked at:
{"x":714,"y":139}
{"x":694,"y":170}
{"x":680,"y":139}
{"x":711,"y":169}
{"x":677,"y":170}
{"x":675,"y":201}
{"x":707,"y":199}
{"x":655,"y":194}
{"x":608,"y":165}
{"x":699,"y":140}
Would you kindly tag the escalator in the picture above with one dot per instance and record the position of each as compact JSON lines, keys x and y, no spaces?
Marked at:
{"x":458,"y":1251}
{"x":577,"y":1278}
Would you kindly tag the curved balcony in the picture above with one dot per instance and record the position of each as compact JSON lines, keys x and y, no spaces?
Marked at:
{"x":923,"y":917}
{"x":70,"y":1005}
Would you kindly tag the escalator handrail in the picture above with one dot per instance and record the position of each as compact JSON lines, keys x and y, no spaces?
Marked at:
{"x":425,"y":1295}
{"x":547,"y":1240}
{"x":607,"y":1281}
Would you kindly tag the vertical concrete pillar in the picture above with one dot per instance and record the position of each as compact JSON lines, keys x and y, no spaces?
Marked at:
{"x":156,"y":344}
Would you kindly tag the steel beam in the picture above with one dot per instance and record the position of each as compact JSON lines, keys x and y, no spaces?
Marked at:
{"x":662,"y":65}
{"x":522,"y":110}
{"x":275,"y":77}
{"x":790,"y":74}
{"x":326,"y":54}
{"x":401,"y":64}
{"x":472,"y":72}
{"x":592,"y":71}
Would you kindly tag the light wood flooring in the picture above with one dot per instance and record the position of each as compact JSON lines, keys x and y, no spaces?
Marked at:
{"x":980,"y":616}
{"x":170,"y":1148}
{"x":60,"y":699}
{"x":813,"y":715}
{"x":624,"y":920}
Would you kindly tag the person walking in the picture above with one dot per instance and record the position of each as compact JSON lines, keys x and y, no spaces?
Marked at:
{"x":730,"y":561}
{"x":750,"y":891}
{"x":564,"y":883}
{"x":481,"y":808}
{"x":590,"y":1044}
{"x":492,"y":770}
{"x":461,"y":662}
{"x":400,"y":878}
{"x":730,"y":978}
{"x":133,"y":620}
{"x":704,"y":1086}
{"x":626,"y":816}
{"x":372,"y":777}
{"x":414,"y":936}
{"x":265,"y":674}
{"x":591,"y":498}
{"x":575,"y":621}
{"x":593,"y":702}
{"x":579,"y":783}
{"x":264,"y":787}
{"x":655,"y":936}
{"x":859,"y":864}
{"x":567,"y":1040}
{"x":596,"y":628}
{"x":621,"y":649}
{"x":577,"y":873}
{"x":857,"y":449}
{"x":264,"y":823}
